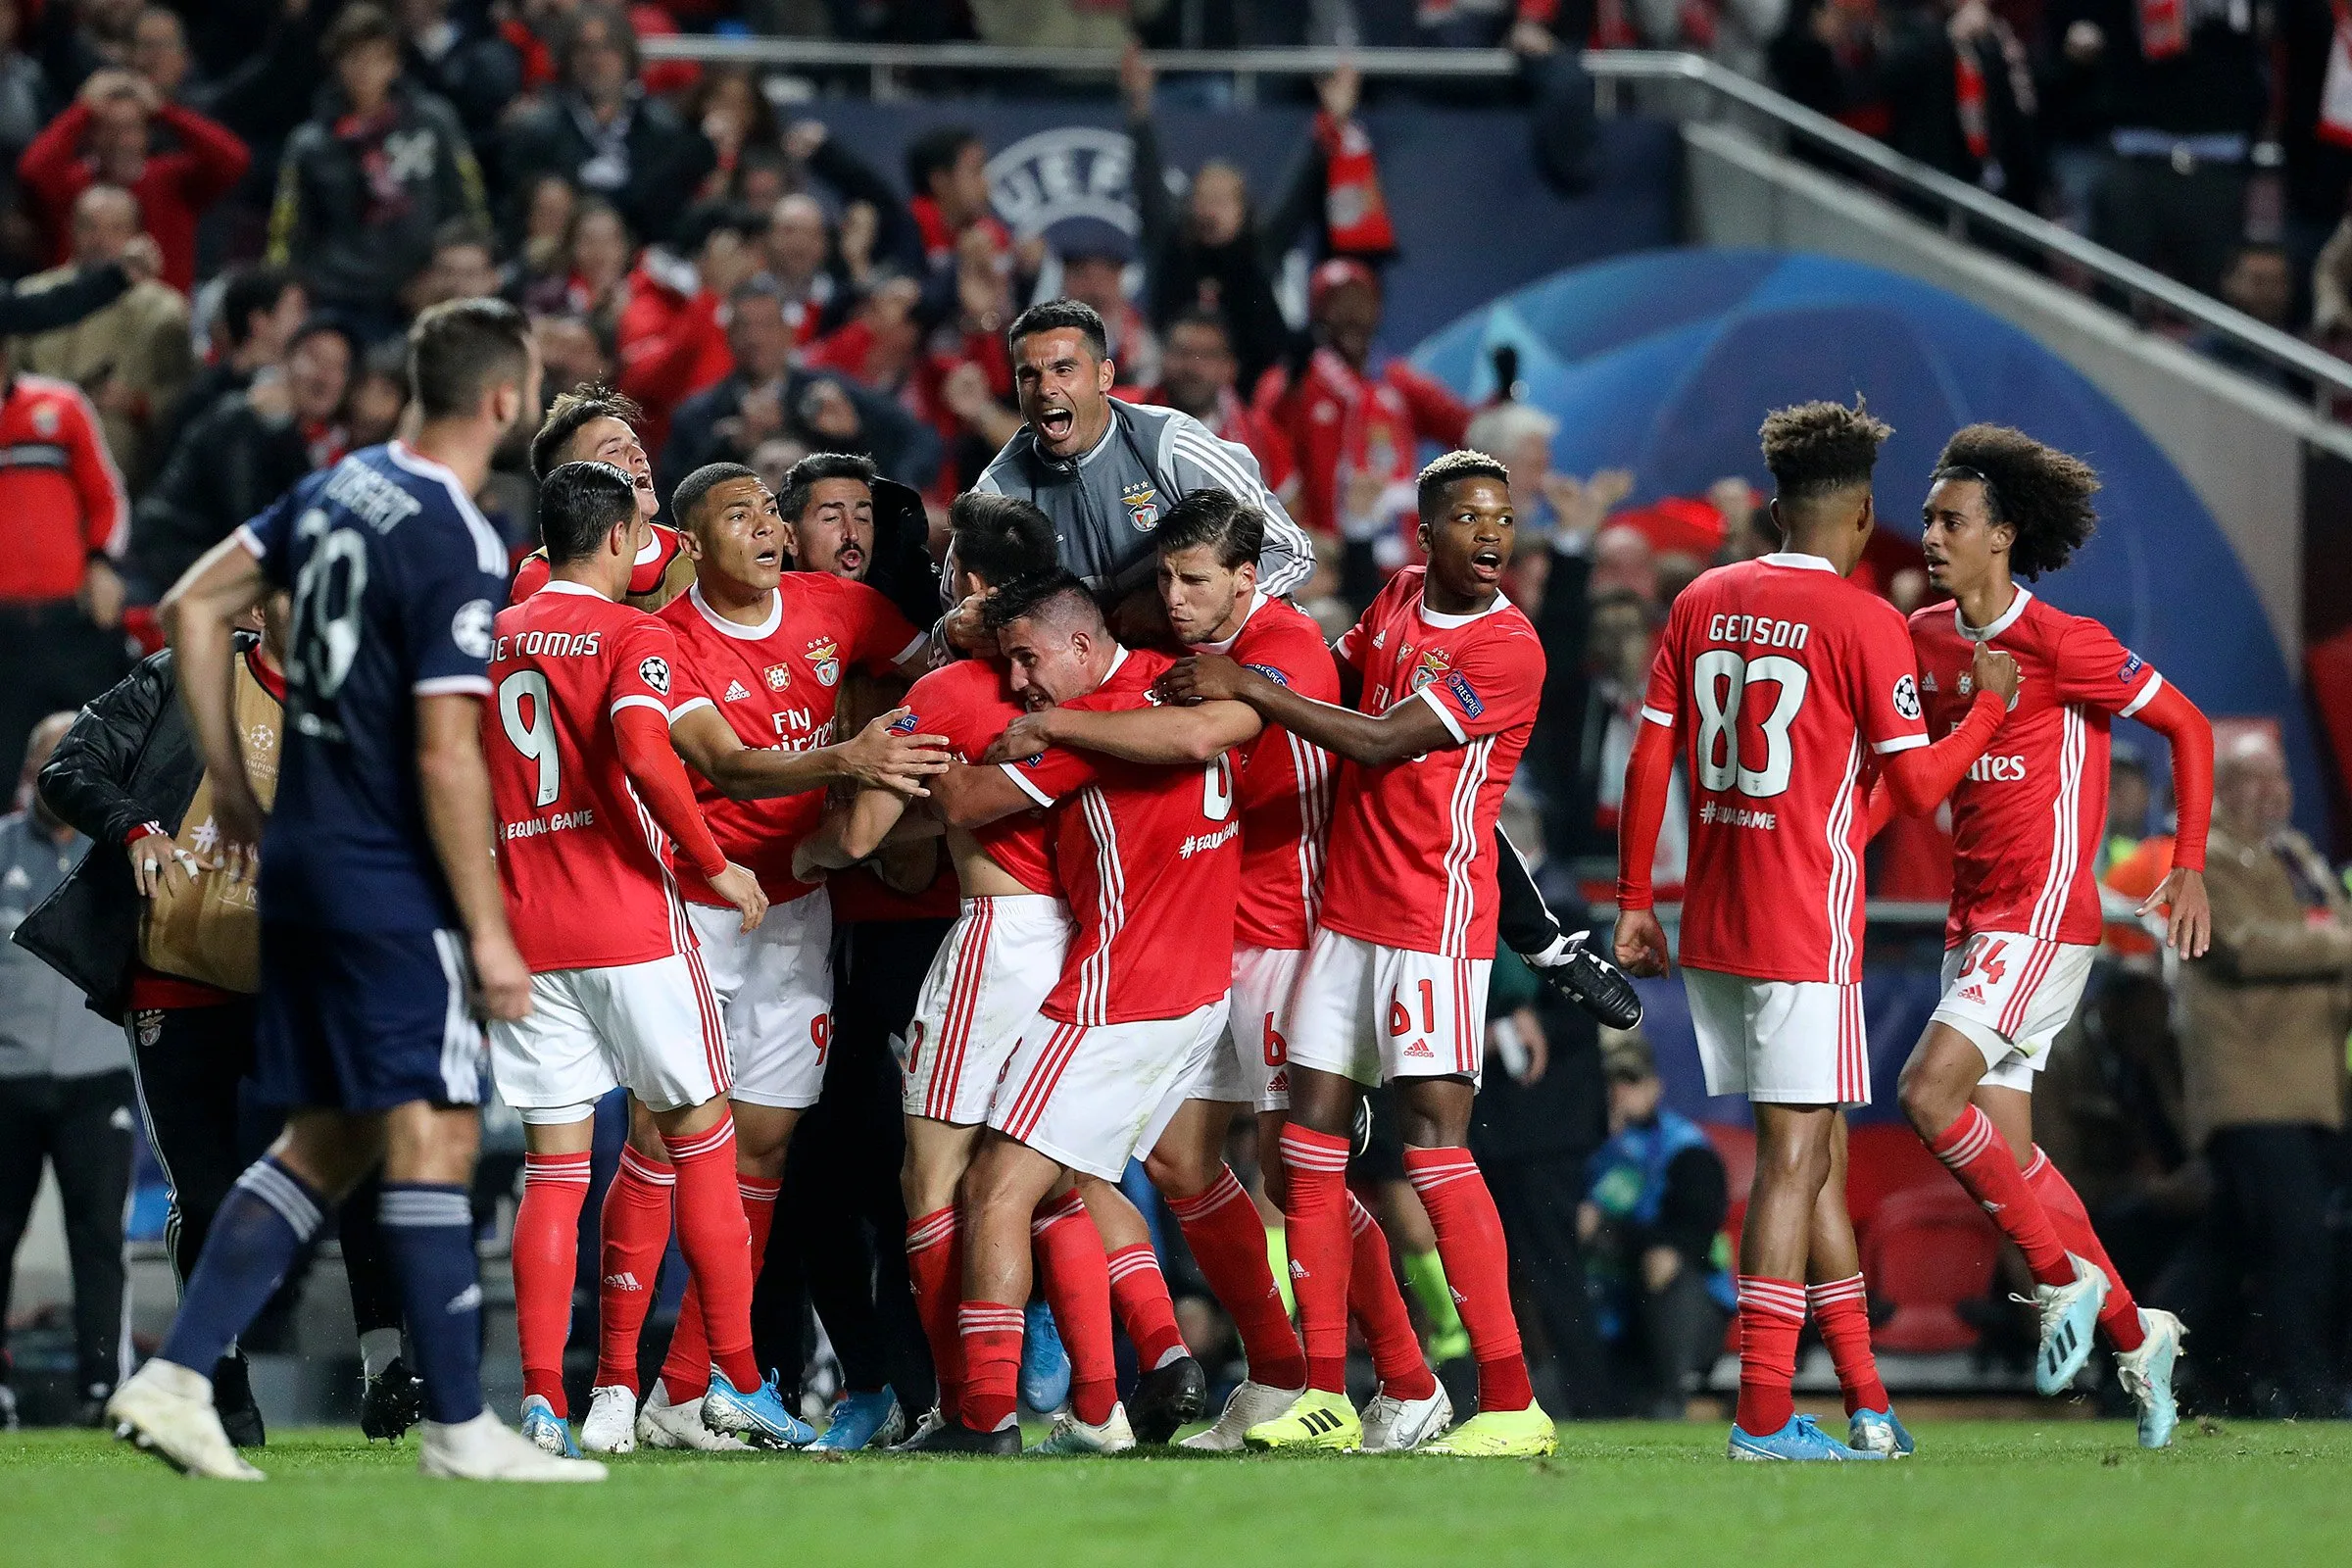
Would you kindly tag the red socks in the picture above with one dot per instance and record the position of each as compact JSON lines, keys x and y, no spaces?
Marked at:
{"x":1772,"y":1313}
{"x":1973,"y":1148}
{"x":991,"y":1353}
{"x":2120,"y":1316}
{"x":1477,"y":1265}
{"x":1316,"y":1214}
{"x":1378,"y":1307}
{"x":547,"y":1253}
{"x":1075,"y":1277}
{"x":686,"y":1369}
{"x":1139,"y":1295}
{"x":635,"y":1229}
{"x":714,"y":1234}
{"x":1842,"y":1311}
{"x":935,"y":1271}
{"x":1229,"y":1242}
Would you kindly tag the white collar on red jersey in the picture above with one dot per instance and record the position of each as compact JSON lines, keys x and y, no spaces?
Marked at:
{"x":1798,"y":560}
{"x":1503,"y":601}
{"x":1256,"y":599}
{"x":2006,"y":619}
{"x":749,"y":634}
{"x":559,"y":586}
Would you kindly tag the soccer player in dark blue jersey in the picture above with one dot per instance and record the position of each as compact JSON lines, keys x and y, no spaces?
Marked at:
{"x":383,"y":929}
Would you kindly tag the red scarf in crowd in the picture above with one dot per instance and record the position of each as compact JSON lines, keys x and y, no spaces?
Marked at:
{"x":1354,"y":208}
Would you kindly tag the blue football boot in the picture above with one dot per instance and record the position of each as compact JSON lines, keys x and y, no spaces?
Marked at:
{"x":2147,"y":1376}
{"x":1878,"y":1432}
{"x":862,"y":1421}
{"x":1044,"y":1364}
{"x":546,"y":1430}
{"x":2070,"y":1316}
{"x":758,"y":1417}
{"x":1801,"y":1439}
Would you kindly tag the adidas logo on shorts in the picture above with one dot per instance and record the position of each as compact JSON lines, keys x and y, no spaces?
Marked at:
{"x":736,"y":690}
{"x":1974,"y":994}
{"x":1419,"y":1048}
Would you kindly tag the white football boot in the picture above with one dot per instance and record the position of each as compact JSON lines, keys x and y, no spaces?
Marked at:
{"x":1073,"y":1436}
{"x":664,"y":1425}
{"x":612,"y":1424}
{"x":1244,"y":1407}
{"x":168,"y":1412}
{"x":485,"y":1449}
{"x":1399,"y":1426}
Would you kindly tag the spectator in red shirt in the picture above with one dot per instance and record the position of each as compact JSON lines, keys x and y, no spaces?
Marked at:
{"x":671,"y":337}
{"x":1358,"y":427}
{"x":68,"y":522}
{"x":947,"y":168}
{"x":114,"y":116}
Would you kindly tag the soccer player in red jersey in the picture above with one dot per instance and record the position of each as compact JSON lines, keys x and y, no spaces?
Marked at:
{"x":995,"y":968}
{"x":1208,"y":552}
{"x":600,"y":425}
{"x":2025,"y":917}
{"x":764,"y":651}
{"x":1786,"y":683}
{"x":1150,"y":858}
{"x":1445,"y":674}
{"x":590,"y":797}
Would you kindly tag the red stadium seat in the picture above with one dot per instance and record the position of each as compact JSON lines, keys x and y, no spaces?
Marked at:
{"x":1929,"y":1250}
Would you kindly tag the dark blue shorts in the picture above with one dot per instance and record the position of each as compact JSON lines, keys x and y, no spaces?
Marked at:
{"x":366,"y":1021}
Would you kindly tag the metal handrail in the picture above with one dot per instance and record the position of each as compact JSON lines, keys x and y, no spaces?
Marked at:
{"x":2328,"y":375}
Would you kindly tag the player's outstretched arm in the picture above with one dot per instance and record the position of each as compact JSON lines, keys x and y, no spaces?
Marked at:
{"x":197,"y":615}
{"x":458,"y":815}
{"x":851,"y":832}
{"x":2189,"y":915}
{"x":1407,"y":729}
{"x":1168,"y":737}
{"x":1640,"y":942}
{"x":969,"y":796}
{"x":874,"y":757}
{"x":1918,"y":781}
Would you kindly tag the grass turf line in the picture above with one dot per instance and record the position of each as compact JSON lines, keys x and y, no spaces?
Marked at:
{"x":2013,"y":1494}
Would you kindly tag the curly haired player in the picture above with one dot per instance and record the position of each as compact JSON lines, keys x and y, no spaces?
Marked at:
{"x":2025,"y":915}
{"x":1785,"y":684}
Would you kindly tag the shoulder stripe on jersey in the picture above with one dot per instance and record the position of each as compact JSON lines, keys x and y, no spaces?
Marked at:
{"x":689,"y":705}
{"x":1656,"y":718}
{"x":1453,"y":725}
{"x":923,"y":640}
{"x":1901,"y":742}
{"x":635,"y":701}
{"x":1028,"y":788}
{"x":2147,"y":695}
{"x":453,"y":686}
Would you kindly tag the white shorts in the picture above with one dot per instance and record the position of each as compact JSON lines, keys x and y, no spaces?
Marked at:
{"x":652,"y":1028}
{"x":776,"y":985}
{"x":1251,"y":1062}
{"x":1094,"y":1097}
{"x":2011,"y":995}
{"x":996,"y":966}
{"x":1779,"y":1041}
{"x":1375,"y":1014}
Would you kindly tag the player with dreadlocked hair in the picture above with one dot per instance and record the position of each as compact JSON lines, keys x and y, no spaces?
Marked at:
{"x":2024,"y":914}
{"x":1784,"y":683}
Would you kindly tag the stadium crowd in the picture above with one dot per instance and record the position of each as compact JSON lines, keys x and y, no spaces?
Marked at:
{"x":226,"y":217}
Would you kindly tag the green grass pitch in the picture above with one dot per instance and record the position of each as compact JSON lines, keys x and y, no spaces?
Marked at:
{"x":2015,"y":1493}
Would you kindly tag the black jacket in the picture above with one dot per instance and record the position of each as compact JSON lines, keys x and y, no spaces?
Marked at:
{"x":666,"y":162}
{"x":902,"y":447}
{"x":129,"y":759}
{"x":321,"y":222}
{"x":45,"y":309}
{"x":229,"y":463}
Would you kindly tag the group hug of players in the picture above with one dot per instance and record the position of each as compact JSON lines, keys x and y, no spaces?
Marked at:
{"x":1246,"y":875}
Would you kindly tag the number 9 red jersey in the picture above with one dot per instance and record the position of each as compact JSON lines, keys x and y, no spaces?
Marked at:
{"x":1786,"y":681}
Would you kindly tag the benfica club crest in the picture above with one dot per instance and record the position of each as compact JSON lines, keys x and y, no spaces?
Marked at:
{"x":824,"y":661}
{"x":1431,"y":666}
{"x":1142,"y":506}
